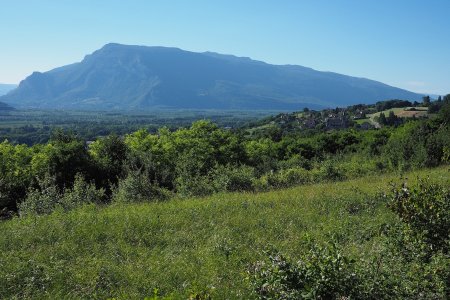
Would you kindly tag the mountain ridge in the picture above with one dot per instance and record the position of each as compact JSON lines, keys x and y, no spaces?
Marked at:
{"x":140,"y":77}
{"x":5,"y":88}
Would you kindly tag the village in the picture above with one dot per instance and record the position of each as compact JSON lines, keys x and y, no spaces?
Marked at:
{"x":360,"y":117}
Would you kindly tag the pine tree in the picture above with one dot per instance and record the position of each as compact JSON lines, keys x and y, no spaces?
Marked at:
{"x":382,"y":119}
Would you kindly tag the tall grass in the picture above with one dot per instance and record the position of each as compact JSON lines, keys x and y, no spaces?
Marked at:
{"x":182,"y":248}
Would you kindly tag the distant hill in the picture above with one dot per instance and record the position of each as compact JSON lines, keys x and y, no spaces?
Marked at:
{"x":5,"y":107}
{"x":138,"y":77}
{"x":5,"y":88}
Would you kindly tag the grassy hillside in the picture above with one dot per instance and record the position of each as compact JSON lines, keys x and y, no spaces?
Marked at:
{"x":404,"y":112}
{"x":191,"y":247}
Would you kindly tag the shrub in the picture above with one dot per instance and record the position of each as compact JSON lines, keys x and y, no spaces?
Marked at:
{"x":82,"y":192}
{"x":41,"y":200}
{"x":47,"y":197}
{"x":329,"y":170}
{"x":289,"y":177}
{"x":137,"y":187}
{"x":235,"y":178}
{"x":324,"y":273}
{"x":425,"y":210}
{"x":218,"y":179}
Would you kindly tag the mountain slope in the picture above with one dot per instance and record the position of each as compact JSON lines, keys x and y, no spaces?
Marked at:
{"x":5,"y":107}
{"x":5,"y":88}
{"x":138,"y":77}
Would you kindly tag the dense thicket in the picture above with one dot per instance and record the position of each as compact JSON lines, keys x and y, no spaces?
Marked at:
{"x":205,"y":159}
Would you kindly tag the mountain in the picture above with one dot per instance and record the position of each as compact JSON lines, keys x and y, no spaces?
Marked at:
{"x":139,"y":77}
{"x":5,"y":107}
{"x":5,"y":88}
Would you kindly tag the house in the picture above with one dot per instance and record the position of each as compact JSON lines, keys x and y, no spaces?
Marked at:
{"x":335,"y":123}
{"x":359,"y":114}
{"x":310,"y":123}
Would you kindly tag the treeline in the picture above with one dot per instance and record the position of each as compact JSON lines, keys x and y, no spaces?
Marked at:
{"x":396,"y":103}
{"x":36,"y":127}
{"x":204,"y":159}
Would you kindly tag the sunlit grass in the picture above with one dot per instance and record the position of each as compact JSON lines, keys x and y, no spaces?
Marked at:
{"x":182,"y":247}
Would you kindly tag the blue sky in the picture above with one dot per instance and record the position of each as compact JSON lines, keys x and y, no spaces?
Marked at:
{"x":404,"y":43}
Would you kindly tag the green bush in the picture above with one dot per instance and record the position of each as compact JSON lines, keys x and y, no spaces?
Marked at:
{"x":218,"y":179}
{"x":329,"y":170}
{"x":47,"y":197}
{"x":289,"y":177}
{"x":82,"y":192}
{"x":137,"y":187}
{"x":323,"y":273}
{"x":235,"y":178}
{"x":41,"y":200}
{"x":425,"y":210}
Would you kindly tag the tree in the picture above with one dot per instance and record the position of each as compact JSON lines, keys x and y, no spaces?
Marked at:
{"x":15,"y":174}
{"x":446,"y":98}
{"x":426,"y":101}
{"x":382,"y":119}
{"x":108,"y":155}
{"x":391,"y":119}
{"x":63,"y":157}
{"x":444,"y":112}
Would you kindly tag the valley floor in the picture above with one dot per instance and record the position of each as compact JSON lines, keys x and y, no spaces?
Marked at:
{"x":194,"y":247}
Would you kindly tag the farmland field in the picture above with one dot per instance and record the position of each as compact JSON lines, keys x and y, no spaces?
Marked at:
{"x":407,"y":112}
{"x":36,"y":126}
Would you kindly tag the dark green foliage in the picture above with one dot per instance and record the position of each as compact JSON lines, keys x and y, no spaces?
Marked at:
{"x":444,"y":112}
{"x":15,"y":174}
{"x":426,"y":101}
{"x":204,"y":158}
{"x":63,"y":157}
{"x":236,"y":178}
{"x":377,"y":141}
{"x":322,"y":273}
{"x":382,"y":119}
{"x":390,"y":120}
{"x":385,"y":105}
{"x":425,"y":210}
{"x":108,"y":155}
{"x":137,"y":187}
{"x":434,"y":107}
{"x":47,"y":197}
{"x":418,"y":145}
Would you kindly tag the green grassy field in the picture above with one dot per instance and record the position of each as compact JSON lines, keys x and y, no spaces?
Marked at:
{"x":186,"y":247}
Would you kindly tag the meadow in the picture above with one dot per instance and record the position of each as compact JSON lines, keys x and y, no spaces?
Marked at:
{"x":201,"y":248}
